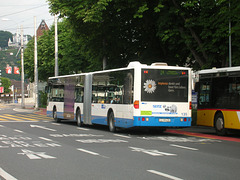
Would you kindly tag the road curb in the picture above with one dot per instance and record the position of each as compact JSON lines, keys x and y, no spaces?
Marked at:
{"x":202,"y":135}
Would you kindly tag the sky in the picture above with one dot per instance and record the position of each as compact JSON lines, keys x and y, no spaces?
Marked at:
{"x":14,"y":13}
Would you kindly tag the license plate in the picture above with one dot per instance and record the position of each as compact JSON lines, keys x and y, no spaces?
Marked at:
{"x":164,"y":120}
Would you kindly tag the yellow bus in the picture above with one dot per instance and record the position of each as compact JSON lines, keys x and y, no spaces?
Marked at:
{"x":219,"y":99}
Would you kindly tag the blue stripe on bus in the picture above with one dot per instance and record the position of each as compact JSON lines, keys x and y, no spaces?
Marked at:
{"x":59,"y":114}
{"x":146,"y":122}
{"x":138,"y":121}
{"x":119,"y":122}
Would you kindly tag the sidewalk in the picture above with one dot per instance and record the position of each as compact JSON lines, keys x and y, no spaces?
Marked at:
{"x":29,"y":107}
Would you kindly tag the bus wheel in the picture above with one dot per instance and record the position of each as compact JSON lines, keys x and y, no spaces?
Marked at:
{"x":78,"y":117}
{"x":219,"y":125}
{"x":111,"y":122}
{"x":55,"y":116}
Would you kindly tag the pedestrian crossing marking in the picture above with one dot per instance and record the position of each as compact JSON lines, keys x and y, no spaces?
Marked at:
{"x":35,"y":116}
{"x":7,"y":118}
{"x":2,"y":119}
{"x":20,"y":117}
{"x":23,"y":118}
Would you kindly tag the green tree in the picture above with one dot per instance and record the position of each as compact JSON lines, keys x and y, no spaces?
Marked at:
{"x":6,"y":83}
{"x":108,"y":30}
{"x":201,"y":26}
{"x":176,"y":31}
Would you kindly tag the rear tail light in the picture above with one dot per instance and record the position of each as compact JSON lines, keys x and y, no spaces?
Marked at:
{"x":190,"y":105}
{"x":136,"y":104}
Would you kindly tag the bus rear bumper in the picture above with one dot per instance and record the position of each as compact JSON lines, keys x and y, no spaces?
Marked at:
{"x":162,"y":121}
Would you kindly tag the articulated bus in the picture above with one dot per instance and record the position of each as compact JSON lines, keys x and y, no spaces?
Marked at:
{"x":219,"y":99}
{"x":136,"y":96}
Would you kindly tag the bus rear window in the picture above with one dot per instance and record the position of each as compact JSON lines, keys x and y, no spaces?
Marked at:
{"x":164,"y":85}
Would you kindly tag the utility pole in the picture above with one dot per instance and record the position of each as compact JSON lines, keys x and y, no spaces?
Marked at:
{"x":230,"y":39}
{"x":56,"y":46}
{"x":22,"y":77}
{"x":35,"y":65}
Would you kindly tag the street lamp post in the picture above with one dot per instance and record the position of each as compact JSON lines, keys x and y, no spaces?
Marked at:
{"x":35,"y":64}
{"x":22,"y":74}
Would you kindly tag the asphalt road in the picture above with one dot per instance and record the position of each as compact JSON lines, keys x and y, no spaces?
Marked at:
{"x":32,"y":146}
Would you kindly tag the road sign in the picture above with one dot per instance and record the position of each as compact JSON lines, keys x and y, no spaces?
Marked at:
{"x":9,"y":70}
{"x":16,"y":70}
{"x":1,"y":89}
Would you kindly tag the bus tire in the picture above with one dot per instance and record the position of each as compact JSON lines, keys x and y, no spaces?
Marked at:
{"x":55,"y":118}
{"x":78,"y":117}
{"x":219,"y":125}
{"x":111,"y":122}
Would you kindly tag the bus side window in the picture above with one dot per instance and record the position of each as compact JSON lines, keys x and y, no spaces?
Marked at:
{"x":48,"y":90}
{"x":128,"y":89}
{"x":204,"y":94}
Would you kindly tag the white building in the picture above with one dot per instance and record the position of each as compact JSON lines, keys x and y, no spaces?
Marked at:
{"x":16,"y":42}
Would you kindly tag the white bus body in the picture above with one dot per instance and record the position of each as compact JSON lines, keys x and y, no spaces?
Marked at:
{"x":135,"y":96}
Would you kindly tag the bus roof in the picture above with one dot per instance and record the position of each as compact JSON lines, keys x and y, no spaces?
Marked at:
{"x":219,"y":70}
{"x":131,"y":65}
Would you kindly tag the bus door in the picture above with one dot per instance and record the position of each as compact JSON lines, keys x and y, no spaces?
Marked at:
{"x":69,"y":90}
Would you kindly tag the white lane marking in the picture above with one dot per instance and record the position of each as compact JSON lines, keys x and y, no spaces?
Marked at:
{"x":121,"y":135}
{"x":84,"y":129}
{"x":46,"y":139}
{"x":101,"y":141}
{"x":43,"y":127}
{"x":18,"y":131}
{"x":164,"y":175}
{"x":5,"y":175}
{"x":56,"y":124}
{"x":89,"y":152}
{"x":36,"y":155}
{"x":184,"y":147}
{"x":151,"y":152}
{"x":1,"y":126}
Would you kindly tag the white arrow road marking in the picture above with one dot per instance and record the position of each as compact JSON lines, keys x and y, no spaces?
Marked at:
{"x":164,"y":175}
{"x":36,"y":155}
{"x":42,"y":127}
{"x":5,"y":175}
{"x":151,"y":152}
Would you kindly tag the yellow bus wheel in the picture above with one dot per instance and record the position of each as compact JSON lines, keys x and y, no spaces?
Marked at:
{"x":219,"y":125}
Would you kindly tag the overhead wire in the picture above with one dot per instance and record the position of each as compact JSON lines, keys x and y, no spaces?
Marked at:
{"x":22,"y":11}
{"x":26,"y":26}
